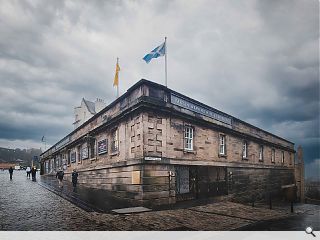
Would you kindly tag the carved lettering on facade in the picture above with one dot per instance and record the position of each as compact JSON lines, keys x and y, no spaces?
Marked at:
{"x":201,"y":110}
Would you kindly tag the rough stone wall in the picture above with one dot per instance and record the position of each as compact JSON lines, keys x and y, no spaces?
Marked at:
{"x":154,"y":135}
{"x":130,"y":145}
{"x":164,"y":136}
{"x":157,"y":185}
{"x":245,"y":183}
{"x":134,"y":136}
{"x":245,"y":128}
{"x":123,"y":182}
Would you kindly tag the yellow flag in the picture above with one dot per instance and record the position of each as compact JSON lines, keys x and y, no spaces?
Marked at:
{"x":116,"y":77}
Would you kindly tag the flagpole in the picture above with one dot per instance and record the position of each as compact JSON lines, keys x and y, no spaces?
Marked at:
{"x":118,"y":79}
{"x":165,"y":59}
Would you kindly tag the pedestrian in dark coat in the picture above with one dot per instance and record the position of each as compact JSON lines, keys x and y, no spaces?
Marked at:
{"x":74,"y":178}
{"x":10,"y":172}
{"x":60,"y":175}
{"x":33,"y":173}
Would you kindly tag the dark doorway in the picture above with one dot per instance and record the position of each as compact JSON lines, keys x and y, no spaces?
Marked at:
{"x":193,"y":182}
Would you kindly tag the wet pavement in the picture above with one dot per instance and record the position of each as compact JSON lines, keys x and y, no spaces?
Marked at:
{"x":41,"y":205}
{"x":25,"y":205}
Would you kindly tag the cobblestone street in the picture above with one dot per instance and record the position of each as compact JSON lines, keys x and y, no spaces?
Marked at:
{"x":26,"y":205}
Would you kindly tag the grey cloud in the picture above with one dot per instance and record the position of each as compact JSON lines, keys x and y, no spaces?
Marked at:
{"x":256,"y":60}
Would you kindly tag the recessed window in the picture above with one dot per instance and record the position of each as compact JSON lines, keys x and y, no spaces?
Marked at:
{"x":273,"y":155}
{"x":244,"y":149}
{"x":69,"y":158}
{"x":92,"y":148}
{"x":79,"y":154}
{"x":188,"y":138}
{"x":84,"y":153}
{"x":102,"y":146}
{"x":222,"y":144}
{"x":114,"y":141}
{"x":73,"y":156}
{"x":282,"y":157}
{"x":261,"y":153}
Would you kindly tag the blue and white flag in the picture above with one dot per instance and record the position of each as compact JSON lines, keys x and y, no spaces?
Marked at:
{"x":157,"y":52}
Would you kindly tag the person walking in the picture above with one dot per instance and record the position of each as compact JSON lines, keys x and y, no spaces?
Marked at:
{"x":33,"y":173}
{"x":11,"y":172}
{"x":60,"y":175}
{"x":74,"y":178}
{"x":28,"y":170}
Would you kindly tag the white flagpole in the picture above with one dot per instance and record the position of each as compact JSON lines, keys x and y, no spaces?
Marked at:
{"x":165,"y":57}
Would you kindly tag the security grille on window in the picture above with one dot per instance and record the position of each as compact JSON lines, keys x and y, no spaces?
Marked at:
{"x":222,"y":145}
{"x":114,"y":141}
{"x":244,"y":150}
{"x":261,"y":153}
{"x":282,"y":157}
{"x":188,"y":138}
{"x":273,"y":155}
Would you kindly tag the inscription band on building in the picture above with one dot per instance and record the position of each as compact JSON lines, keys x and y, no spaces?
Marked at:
{"x":198,"y":109}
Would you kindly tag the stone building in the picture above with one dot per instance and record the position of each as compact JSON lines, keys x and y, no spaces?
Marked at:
{"x":87,"y":110}
{"x":156,"y":146}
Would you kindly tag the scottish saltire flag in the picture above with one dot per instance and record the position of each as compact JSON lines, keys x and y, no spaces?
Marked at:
{"x":157,"y":52}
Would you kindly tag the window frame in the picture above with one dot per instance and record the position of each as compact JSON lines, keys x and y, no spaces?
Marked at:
{"x":222,"y":137}
{"x":244,"y":149}
{"x":273,"y":155}
{"x":261,"y":152}
{"x":106,"y":148}
{"x":114,"y":141}
{"x":282,"y":157}
{"x":92,"y":149}
{"x":188,"y":141}
{"x":84,"y":153}
{"x":78,"y":154}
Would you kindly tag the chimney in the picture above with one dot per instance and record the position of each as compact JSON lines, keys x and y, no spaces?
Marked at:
{"x":99,"y":105}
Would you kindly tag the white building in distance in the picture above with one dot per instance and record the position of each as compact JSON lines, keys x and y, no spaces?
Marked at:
{"x":86,"y":110}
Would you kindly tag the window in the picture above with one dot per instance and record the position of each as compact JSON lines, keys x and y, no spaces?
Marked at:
{"x":222,"y":144}
{"x":273,"y":155}
{"x":291,"y":159}
{"x":282,"y":157}
{"x":114,"y":141}
{"x":79,"y":154}
{"x":69,"y":158}
{"x":92,"y":148}
{"x":84,"y":153}
{"x":261,"y":153}
{"x":188,"y":138}
{"x":102,"y":146}
{"x":73,"y":156}
{"x":244,"y":150}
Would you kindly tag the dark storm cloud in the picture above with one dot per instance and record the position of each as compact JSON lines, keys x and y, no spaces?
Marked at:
{"x":256,"y":60}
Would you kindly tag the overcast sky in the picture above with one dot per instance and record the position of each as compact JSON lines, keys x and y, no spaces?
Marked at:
{"x":255,"y":60}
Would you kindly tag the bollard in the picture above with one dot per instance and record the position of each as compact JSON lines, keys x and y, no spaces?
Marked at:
{"x":291,"y":206}
{"x":252,"y":200}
